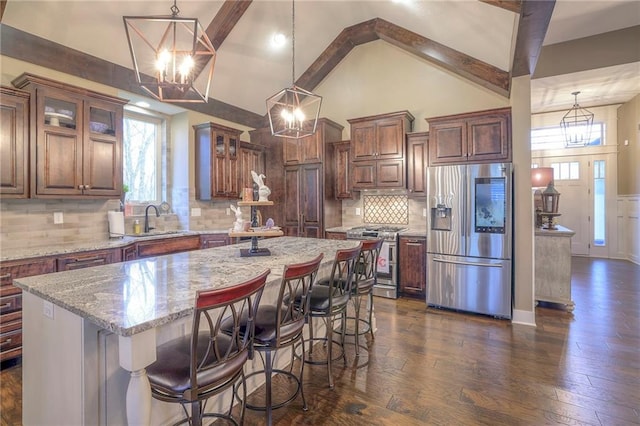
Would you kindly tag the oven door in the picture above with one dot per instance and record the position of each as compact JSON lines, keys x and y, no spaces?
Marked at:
{"x":386,"y":272}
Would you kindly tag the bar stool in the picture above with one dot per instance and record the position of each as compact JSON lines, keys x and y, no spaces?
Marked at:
{"x":328,"y":302}
{"x":281,"y":325}
{"x":365,"y":280}
{"x":195,"y":367}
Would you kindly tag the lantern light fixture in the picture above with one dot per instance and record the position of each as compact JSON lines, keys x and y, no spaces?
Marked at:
{"x":169,"y":53}
{"x":576,"y":124}
{"x":293,"y":112}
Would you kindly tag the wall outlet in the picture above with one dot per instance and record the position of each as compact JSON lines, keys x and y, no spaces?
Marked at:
{"x":47,"y":309}
{"x":424,"y":212}
{"x":196,"y":211}
{"x":58,"y":218}
{"x":357,"y":211}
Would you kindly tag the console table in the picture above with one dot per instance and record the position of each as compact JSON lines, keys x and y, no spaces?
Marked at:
{"x":553,"y":266}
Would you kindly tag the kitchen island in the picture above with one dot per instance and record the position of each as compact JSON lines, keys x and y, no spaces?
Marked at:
{"x":89,"y":334}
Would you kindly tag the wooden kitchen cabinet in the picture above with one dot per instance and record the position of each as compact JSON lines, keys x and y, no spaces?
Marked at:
{"x":412,"y":256}
{"x":11,"y":301}
{"x":303,"y":187}
{"x":14,"y":143}
{"x":304,"y":150}
{"x":88,"y":259}
{"x":164,"y":246}
{"x":251,"y":158}
{"x":417,"y":164}
{"x":216,"y":154}
{"x":378,"y":150}
{"x":478,"y":137}
{"x":342,"y":164}
{"x":75,"y":140}
{"x":335,"y":235}
{"x":213,"y":240}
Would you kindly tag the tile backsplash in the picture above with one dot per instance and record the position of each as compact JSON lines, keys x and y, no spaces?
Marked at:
{"x":386,"y":209}
{"x":414,"y":211}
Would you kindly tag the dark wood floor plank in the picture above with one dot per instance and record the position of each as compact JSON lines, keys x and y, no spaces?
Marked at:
{"x":436,"y":367}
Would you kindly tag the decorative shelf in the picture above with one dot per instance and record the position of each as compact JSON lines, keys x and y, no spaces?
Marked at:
{"x":254,"y":234}
{"x":255,"y":203}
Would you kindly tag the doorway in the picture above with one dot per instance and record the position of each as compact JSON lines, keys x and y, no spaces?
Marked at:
{"x":587,"y":188}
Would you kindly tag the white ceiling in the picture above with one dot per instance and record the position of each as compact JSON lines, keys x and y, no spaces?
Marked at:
{"x":248,"y":69}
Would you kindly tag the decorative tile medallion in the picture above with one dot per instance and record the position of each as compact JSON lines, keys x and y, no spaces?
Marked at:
{"x":386,"y":209}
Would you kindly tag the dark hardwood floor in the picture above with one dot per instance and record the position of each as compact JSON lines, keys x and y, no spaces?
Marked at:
{"x":430,"y":366}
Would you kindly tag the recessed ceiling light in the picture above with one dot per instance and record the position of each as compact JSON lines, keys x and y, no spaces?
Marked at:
{"x":278,"y":40}
{"x":143,"y":104}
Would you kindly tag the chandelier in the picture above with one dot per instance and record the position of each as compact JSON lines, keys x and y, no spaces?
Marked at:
{"x":576,"y":124}
{"x":293,"y":112}
{"x":169,"y":53}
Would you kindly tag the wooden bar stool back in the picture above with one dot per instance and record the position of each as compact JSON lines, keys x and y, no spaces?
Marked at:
{"x":195,"y":367}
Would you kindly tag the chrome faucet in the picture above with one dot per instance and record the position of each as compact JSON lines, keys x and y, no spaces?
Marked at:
{"x":146,"y":218}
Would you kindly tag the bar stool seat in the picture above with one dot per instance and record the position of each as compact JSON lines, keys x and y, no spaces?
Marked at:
{"x":190,"y":369}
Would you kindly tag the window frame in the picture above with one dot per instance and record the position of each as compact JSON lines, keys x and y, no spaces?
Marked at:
{"x":160,"y":147}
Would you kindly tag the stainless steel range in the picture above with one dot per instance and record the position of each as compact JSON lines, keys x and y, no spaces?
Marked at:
{"x":387,"y":271}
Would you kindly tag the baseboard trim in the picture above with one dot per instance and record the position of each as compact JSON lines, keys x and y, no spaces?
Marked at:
{"x":524,"y":318}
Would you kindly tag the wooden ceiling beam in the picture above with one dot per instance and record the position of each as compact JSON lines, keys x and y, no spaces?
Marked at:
{"x":3,"y":5}
{"x":510,"y":5}
{"x":532,"y":28}
{"x":454,"y":61}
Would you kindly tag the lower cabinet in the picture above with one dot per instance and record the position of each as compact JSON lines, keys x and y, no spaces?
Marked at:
{"x":335,"y":235}
{"x":412,"y":257}
{"x":213,"y":240}
{"x":167,"y":246}
{"x":11,"y":301}
{"x":87,"y":259}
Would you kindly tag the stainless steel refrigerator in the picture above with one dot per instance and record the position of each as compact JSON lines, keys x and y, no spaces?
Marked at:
{"x":469,"y":229}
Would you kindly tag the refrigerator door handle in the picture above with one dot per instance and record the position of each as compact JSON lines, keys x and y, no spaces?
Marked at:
{"x":457,"y":262}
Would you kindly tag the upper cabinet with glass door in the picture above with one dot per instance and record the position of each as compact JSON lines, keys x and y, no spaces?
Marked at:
{"x":77,"y":140}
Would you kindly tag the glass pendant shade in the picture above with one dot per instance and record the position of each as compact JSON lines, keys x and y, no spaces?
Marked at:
{"x":576,"y":124}
{"x":293,"y":112}
{"x":169,"y":53}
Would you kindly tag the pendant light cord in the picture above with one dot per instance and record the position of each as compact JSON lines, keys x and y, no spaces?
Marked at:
{"x":293,"y":42}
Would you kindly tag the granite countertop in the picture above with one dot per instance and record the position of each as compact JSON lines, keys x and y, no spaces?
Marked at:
{"x":58,"y":249}
{"x":561,"y":231}
{"x":130,"y":297}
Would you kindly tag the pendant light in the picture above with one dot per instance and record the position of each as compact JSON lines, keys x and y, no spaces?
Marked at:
{"x":169,"y":53}
{"x":293,"y":112}
{"x":576,"y":124}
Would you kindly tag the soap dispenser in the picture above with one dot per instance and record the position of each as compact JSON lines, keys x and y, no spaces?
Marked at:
{"x":136,"y":227}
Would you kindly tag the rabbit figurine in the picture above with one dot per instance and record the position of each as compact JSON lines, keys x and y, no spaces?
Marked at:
{"x":238,"y":225}
{"x":263,"y":190}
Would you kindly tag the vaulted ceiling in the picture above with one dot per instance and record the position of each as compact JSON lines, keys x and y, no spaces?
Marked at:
{"x":486,"y":42}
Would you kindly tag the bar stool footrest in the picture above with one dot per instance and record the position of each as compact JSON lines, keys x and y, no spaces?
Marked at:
{"x":362,"y":332}
{"x":276,"y":405}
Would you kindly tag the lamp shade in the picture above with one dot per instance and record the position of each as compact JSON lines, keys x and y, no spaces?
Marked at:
{"x":541,"y":177}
